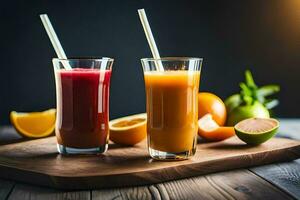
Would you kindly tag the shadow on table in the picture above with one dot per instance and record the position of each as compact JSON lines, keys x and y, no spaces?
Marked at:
{"x":8,"y":135}
{"x":228,"y":146}
{"x":119,"y":146}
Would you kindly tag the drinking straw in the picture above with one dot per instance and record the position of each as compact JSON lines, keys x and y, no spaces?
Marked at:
{"x":54,"y":40}
{"x":104,"y":62}
{"x":150,"y":39}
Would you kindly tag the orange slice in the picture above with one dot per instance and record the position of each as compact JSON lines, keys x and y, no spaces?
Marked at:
{"x":210,"y":130}
{"x":128,"y":130}
{"x":34,"y":124}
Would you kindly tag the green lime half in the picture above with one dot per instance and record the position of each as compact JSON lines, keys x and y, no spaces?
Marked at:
{"x":255,"y":131}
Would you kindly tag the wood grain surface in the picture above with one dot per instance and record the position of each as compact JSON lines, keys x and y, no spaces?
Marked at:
{"x":285,"y":175}
{"x":236,"y":184}
{"x":28,"y":192}
{"x":38,"y":162}
{"x":5,"y":188}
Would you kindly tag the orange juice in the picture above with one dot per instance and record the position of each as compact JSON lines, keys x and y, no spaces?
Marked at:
{"x":172,"y":110}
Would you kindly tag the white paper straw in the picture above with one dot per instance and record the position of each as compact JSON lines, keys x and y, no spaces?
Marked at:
{"x":54,"y":40}
{"x":150,"y":39}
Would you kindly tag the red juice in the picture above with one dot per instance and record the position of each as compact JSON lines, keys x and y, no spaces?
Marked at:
{"x":82,"y":107}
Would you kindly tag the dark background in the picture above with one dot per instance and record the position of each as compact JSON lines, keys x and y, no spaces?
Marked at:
{"x":231,"y":36}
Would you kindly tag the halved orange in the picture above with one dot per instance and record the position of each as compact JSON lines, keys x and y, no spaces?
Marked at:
{"x":210,"y":130}
{"x":34,"y":124}
{"x":128,"y":130}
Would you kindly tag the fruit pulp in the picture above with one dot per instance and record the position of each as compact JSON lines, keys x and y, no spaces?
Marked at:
{"x":172,"y":110}
{"x":82,"y":107}
{"x":128,"y":130}
{"x":255,"y":131}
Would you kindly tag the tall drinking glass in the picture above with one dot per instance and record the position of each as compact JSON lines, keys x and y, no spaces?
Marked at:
{"x":172,"y":86}
{"x":82,"y":98}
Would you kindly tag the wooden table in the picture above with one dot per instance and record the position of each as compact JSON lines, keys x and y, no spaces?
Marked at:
{"x":275,"y":181}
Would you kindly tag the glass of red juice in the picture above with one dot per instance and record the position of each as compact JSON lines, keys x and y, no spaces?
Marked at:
{"x":82,"y":98}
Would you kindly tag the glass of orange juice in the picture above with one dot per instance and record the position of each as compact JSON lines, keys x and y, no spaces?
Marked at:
{"x":172,"y":85}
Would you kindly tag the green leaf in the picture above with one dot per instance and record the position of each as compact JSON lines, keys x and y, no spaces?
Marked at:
{"x":250,"y":92}
{"x":261,"y":99}
{"x":246,"y":94}
{"x":268,"y":90}
{"x":248,"y":100}
{"x":249,"y":79}
{"x":232,"y":102}
{"x":269,"y":104}
{"x":245,"y":90}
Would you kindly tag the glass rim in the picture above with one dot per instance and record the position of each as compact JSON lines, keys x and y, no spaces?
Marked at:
{"x":173,"y":59}
{"x":84,"y":59}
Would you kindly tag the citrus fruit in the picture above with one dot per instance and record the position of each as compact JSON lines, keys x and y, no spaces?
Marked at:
{"x":247,"y":111}
{"x":232,"y":102}
{"x":212,"y":104}
{"x":34,"y":124}
{"x":210,"y":130}
{"x":128,"y":130}
{"x":256,"y":130}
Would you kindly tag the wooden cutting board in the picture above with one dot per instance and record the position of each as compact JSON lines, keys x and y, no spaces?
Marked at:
{"x":38,"y":162}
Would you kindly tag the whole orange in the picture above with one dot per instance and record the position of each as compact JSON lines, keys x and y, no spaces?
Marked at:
{"x":210,"y":103}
